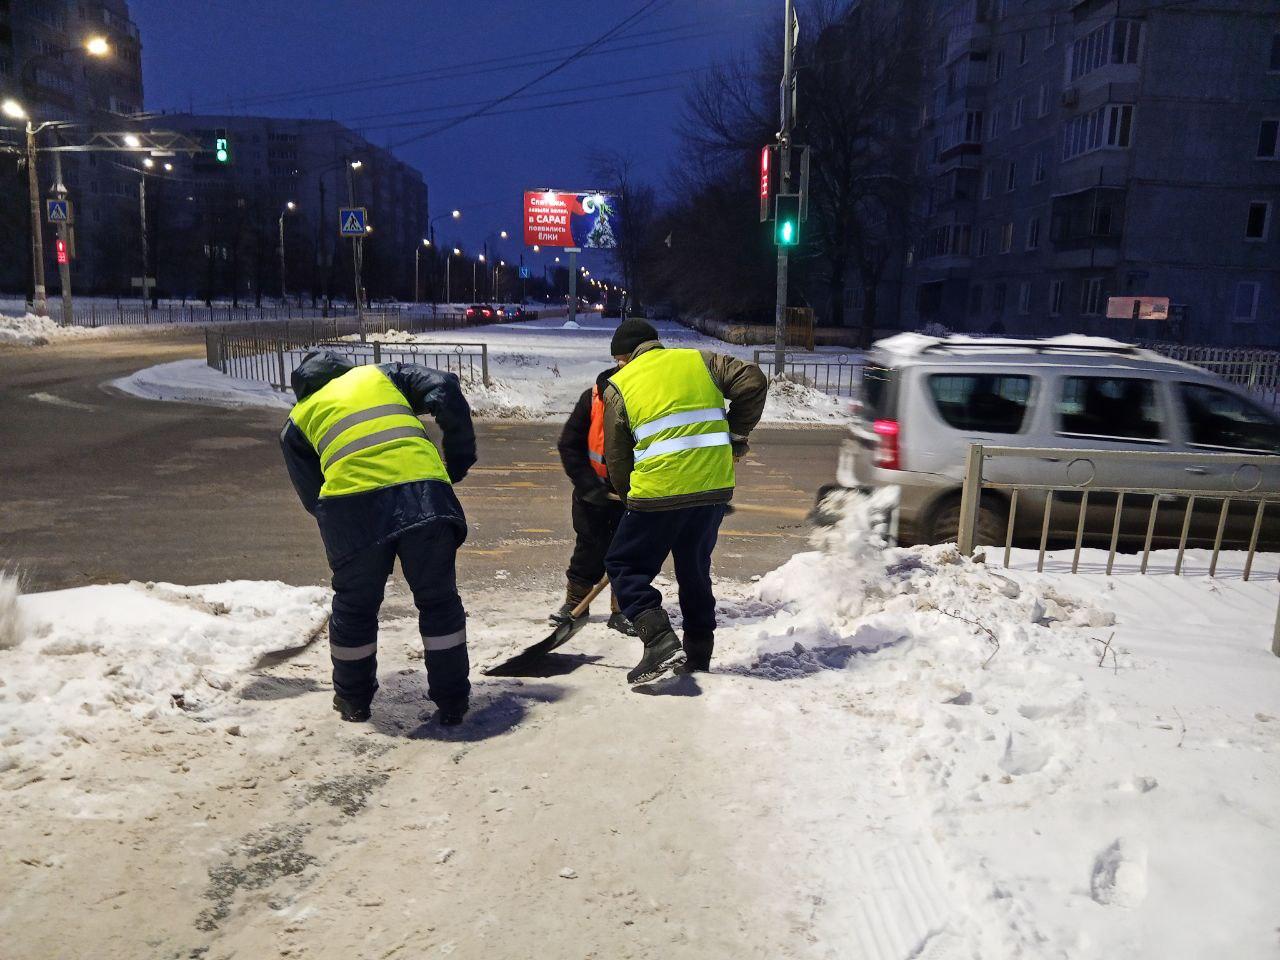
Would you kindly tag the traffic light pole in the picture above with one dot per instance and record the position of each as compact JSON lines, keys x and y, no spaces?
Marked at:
{"x":64,"y":265}
{"x":784,"y":185}
{"x":357,"y":249}
{"x":573,"y":285}
{"x":142,"y":215}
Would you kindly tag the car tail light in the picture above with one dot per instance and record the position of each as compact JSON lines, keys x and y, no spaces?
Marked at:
{"x":470,"y":312}
{"x":889,"y":448}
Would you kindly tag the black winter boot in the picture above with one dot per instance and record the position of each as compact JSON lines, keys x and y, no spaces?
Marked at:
{"x":351,"y":712}
{"x":618,"y":621}
{"x":574,"y":594}
{"x":451,"y":712}
{"x":698,"y":647}
{"x":662,"y":649}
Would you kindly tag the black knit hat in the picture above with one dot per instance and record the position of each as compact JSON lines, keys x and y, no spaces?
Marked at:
{"x":629,"y":335}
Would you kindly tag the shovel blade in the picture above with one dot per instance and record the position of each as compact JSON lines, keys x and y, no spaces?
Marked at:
{"x":558,"y":637}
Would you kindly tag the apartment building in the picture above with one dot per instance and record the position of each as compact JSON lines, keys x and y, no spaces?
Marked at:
{"x":221,"y":223}
{"x":44,"y":67}
{"x":1075,"y":151}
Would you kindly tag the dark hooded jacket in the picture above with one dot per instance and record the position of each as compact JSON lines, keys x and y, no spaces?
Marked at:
{"x":573,"y":442}
{"x":355,"y":522}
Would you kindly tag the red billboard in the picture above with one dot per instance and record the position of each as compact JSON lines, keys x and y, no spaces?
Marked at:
{"x":558,"y":219}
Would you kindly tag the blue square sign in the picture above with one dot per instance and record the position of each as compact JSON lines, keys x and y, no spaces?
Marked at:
{"x":353,"y":221}
{"x":58,"y":211}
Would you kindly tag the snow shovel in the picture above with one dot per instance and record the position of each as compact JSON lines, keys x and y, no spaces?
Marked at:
{"x":559,"y":636}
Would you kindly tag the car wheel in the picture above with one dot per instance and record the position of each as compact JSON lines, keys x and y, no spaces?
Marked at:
{"x":992,"y":523}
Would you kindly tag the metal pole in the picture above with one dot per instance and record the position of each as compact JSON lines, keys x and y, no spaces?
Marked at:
{"x":357,"y":251}
{"x":448,"y":275}
{"x":39,"y":302}
{"x":284,"y":296}
{"x":64,"y":268}
{"x":417,"y":255}
{"x":473,"y":280}
{"x":142,"y":214}
{"x":573,"y":285}
{"x":784,"y":161}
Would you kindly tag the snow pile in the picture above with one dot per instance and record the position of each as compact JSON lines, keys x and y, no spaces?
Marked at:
{"x":100,"y":653}
{"x":538,"y":369}
{"x":1064,"y":771}
{"x":33,"y":331}
{"x":791,"y":401}
{"x":194,"y":381}
{"x":11,"y":623}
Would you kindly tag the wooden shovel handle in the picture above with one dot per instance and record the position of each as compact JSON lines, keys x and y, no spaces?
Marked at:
{"x":581,"y":608}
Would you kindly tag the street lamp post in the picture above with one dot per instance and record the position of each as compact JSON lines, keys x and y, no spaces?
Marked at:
{"x":94,"y":46}
{"x":431,"y":230}
{"x":475,"y":296}
{"x":448,"y":274}
{"x":357,"y":248}
{"x":289,"y":207}
{"x":417,"y":254}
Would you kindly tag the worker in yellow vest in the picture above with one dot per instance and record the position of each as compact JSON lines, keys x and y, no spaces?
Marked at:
{"x":363,"y":466}
{"x":596,"y":506}
{"x":670,"y":448}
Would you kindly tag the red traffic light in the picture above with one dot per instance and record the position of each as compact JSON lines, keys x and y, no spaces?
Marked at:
{"x":61,"y":247}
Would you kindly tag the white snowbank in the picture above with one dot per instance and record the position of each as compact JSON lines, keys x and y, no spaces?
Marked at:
{"x":11,"y":624}
{"x":98,"y":654}
{"x":194,"y":381}
{"x":30,"y":330}
{"x":538,"y":369}
{"x":1077,"y":763}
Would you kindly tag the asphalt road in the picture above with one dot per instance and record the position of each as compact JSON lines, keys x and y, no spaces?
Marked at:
{"x":98,"y":487}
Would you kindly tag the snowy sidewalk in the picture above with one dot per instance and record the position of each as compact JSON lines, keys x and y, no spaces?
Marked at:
{"x":538,"y":370}
{"x":851,"y":782}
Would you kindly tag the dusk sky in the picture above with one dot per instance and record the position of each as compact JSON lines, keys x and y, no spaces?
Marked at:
{"x":418,"y":64}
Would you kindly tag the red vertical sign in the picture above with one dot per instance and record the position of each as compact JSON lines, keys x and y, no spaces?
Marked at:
{"x":766,"y":183}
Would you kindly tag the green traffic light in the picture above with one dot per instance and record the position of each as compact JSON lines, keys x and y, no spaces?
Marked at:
{"x":787,"y":231}
{"x":221,"y":150}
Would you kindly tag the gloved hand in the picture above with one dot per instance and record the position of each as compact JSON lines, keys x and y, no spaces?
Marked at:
{"x":740,"y":448}
{"x":597,"y":496}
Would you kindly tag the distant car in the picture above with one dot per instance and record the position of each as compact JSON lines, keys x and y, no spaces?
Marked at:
{"x":481,"y":311}
{"x":925,"y":399}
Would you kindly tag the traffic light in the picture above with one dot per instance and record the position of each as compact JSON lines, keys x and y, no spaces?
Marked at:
{"x":221,"y":146}
{"x":61,"y":247}
{"x":786,"y":225}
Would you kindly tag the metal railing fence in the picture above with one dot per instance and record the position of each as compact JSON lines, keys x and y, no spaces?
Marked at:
{"x":834,"y":373}
{"x":1257,"y":370}
{"x":408,"y":317}
{"x":272,"y":359}
{"x":976,"y":480}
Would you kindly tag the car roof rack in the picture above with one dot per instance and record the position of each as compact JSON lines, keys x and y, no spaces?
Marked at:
{"x":1051,"y":345}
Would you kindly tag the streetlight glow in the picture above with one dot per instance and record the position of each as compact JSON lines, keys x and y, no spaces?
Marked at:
{"x":131,"y":140}
{"x":168,"y":167}
{"x":290,"y":205}
{"x":13,"y":110}
{"x":536,"y":248}
{"x":457,"y":252}
{"x":97,"y":46}
{"x":481,"y":258}
{"x":457,"y":214}
{"x":357,"y":164}
{"x":368,"y":228}
{"x":503,"y":234}
{"x":148,"y":162}
{"x":426,"y":242}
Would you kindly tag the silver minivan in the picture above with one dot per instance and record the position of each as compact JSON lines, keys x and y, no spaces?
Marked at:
{"x":924,"y":400}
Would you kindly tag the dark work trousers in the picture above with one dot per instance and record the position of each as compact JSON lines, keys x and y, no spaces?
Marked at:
{"x":642,"y":544}
{"x":427,"y":556}
{"x":594,"y":528}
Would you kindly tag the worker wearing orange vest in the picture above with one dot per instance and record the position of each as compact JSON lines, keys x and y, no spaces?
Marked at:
{"x":597,"y":508}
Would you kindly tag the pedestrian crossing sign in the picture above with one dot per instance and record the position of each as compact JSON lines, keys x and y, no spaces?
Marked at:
{"x":353,"y":221}
{"x":58,"y":211}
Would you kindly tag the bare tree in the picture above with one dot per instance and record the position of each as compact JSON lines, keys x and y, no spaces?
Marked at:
{"x":636,"y":209}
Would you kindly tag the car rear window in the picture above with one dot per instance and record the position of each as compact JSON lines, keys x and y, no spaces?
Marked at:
{"x":1218,"y":418}
{"x":878,"y":392}
{"x":1117,"y":408}
{"x":983,"y":402}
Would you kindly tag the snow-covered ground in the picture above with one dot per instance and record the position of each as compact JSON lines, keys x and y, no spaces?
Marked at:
{"x":901,"y":754}
{"x":538,"y":369}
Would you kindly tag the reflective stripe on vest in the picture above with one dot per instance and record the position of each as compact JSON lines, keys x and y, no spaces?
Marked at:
{"x":595,"y":434}
{"x":366,"y":435}
{"x":676,"y":414}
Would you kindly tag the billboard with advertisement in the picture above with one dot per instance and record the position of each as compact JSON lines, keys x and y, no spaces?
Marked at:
{"x":554,"y":218}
